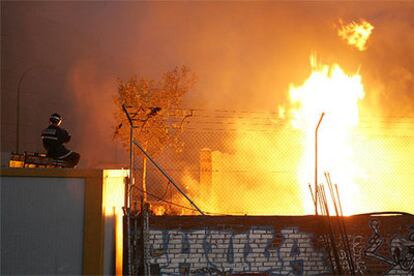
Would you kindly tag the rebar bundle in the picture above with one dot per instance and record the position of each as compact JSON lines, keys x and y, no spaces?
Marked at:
{"x":334,"y":227}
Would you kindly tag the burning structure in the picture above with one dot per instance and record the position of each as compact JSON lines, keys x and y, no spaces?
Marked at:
{"x":346,"y":147}
{"x":260,"y":137}
{"x":360,"y":45}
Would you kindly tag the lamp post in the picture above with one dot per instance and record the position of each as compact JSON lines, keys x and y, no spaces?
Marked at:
{"x":316,"y":163}
{"x":19,"y":84}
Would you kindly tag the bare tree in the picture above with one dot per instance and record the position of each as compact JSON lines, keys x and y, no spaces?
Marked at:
{"x":157,"y":112}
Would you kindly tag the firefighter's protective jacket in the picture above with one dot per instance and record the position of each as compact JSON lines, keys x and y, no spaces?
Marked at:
{"x":53,"y":138}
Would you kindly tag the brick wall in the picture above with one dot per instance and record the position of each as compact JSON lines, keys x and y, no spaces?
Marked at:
{"x":194,"y":245}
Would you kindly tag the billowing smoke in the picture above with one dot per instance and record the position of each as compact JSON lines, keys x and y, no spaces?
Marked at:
{"x":245,"y":55}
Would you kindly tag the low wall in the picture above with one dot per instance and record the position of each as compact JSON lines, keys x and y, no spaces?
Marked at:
{"x":194,"y":245}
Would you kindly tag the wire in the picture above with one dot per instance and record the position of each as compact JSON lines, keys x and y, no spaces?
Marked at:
{"x":166,"y":201}
{"x":184,"y":207}
{"x":166,"y":190}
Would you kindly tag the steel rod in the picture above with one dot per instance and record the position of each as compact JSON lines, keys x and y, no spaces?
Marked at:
{"x":331,"y":230}
{"x":316,"y":162}
{"x":314,"y":199}
{"x":347,"y":245}
{"x":341,"y":225}
{"x":325,"y":236}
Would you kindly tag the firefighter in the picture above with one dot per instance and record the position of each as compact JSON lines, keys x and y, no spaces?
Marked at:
{"x":53,"y":138}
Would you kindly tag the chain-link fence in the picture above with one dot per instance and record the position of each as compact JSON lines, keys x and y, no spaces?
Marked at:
{"x":254,"y":164}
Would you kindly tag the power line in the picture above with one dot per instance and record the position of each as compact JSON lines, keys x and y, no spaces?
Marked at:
{"x":248,"y":112}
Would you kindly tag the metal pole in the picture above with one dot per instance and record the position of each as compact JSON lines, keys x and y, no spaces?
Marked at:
{"x":352,"y":265}
{"x":144,"y":206}
{"x":18,"y":106}
{"x":326,"y":237}
{"x":145,"y":238}
{"x":324,"y":204}
{"x":131,"y":155}
{"x":316,"y":163}
{"x":19,"y":84}
{"x":128,"y":196}
{"x":131,"y":164}
{"x":129,"y":207}
{"x":342,"y":234}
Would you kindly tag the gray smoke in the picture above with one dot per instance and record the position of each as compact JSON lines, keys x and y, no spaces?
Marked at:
{"x":244,"y":53}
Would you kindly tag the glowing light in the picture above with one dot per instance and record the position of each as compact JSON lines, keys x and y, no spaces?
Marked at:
{"x":330,"y":90}
{"x":267,"y":172}
{"x":159,"y":210}
{"x":16,"y":164}
{"x":356,"y":34}
{"x":113,"y":200}
{"x":256,"y":178}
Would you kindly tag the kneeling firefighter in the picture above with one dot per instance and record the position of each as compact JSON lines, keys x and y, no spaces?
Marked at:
{"x":53,"y":138}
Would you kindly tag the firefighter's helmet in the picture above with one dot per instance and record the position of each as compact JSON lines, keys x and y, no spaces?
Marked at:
{"x":55,"y":118}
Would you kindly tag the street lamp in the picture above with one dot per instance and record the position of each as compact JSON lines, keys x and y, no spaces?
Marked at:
{"x":316,"y":163}
{"x":18,"y":106}
{"x":19,"y":84}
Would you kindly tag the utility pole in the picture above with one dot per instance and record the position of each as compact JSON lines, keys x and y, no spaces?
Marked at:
{"x":131,"y":268}
{"x":316,"y":163}
{"x":128,"y":201}
{"x":131,"y":211}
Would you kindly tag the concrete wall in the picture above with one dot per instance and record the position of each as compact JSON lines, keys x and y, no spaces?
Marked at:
{"x":380,"y":245}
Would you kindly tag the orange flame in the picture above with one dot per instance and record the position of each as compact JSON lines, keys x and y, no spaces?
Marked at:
{"x":255,"y":178}
{"x":330,"y":90}
{"x":356,"y":34}
{"x":159,"y":210}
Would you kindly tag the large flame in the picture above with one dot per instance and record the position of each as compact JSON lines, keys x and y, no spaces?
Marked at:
{"x":356,"y":34}
{"x":371,"y":164}
{"x":331,"y":91}
{"x":255,"y":177}
{"x":258,"y":176}
{"x":267,"y":171}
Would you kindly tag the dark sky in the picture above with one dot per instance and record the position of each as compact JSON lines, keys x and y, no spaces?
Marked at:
{"x":245,"y":54}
